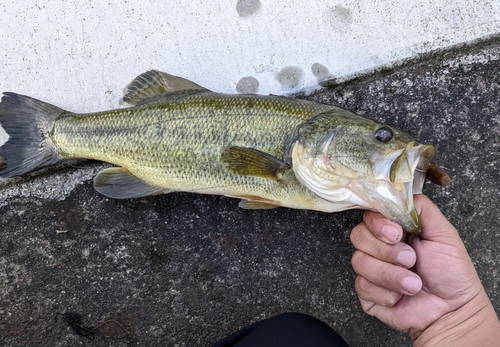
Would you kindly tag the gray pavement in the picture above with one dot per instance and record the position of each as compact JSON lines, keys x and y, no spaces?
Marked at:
{"x":186,"y":270}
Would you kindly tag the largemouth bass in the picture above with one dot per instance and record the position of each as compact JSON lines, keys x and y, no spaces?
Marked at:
{"x":268,"y":151}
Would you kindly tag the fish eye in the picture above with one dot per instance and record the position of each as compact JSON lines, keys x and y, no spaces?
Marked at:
{"x":383,"y":134}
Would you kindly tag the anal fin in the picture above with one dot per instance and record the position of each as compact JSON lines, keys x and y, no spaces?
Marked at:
{"x":256,"y":205}
{"x":118,"y":183}
{"x":255,"y":202}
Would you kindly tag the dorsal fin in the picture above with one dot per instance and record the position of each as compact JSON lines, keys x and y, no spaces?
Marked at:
{"x":153,"y":83}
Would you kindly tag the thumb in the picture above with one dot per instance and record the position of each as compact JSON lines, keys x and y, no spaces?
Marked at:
{"x":435,"y":226}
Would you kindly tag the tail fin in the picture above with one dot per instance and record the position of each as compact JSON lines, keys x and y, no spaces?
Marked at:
{"x":28,"y":122}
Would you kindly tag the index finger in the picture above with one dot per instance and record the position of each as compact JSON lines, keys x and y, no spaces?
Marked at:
{"x":383,"y":228}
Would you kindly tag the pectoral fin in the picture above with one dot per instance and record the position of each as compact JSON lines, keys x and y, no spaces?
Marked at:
{"x":118,"y":183}
{"x":154,"y":83}
{"x":252,"y":162}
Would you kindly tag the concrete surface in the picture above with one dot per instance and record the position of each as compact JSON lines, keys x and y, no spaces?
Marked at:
{"x":186,"y":270}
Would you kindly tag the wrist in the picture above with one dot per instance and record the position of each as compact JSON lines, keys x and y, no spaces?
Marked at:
{"x":474,"y":324}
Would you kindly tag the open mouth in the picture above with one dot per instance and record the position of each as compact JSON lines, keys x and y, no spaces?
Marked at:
{"x":401,"y":174}
{"x":408,"y":172}
{"x":424,"y":157}
{"x":419,"y":158}
{"x":406,"y":166}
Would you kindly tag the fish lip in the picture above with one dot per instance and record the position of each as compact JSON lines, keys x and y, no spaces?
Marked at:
{"x":399,"y":174}
{"x":423,"y":154}
{"x":419,"y":158}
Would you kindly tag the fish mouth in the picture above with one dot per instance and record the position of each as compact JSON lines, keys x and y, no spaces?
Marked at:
{"x":423,"y":157}
{"x":396,"y":174}
{"x":406,"y":175}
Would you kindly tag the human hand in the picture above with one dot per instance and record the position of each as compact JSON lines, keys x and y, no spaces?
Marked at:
{"x":423,"y":285}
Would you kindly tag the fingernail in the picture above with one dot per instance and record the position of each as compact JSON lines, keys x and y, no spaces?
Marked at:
{"x":407,"y":258}
{"x":411,"y":284}
{"x":390,"y":232}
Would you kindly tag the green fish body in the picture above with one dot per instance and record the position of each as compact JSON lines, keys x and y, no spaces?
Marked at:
{"x":269,"y":151}
{"x":177,"y":143}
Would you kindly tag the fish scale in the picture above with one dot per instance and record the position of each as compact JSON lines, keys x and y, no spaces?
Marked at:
{"x":177,"y":145}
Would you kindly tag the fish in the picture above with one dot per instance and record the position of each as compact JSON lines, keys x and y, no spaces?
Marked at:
{"x":268,"y":151}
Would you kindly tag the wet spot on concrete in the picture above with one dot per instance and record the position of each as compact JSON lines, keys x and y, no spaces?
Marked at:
{"x":247,"y":85}
{"x":320,"y":71}
{"x":247,"y":7}
{"x":290,"y":76}
{"x":339,"y":17}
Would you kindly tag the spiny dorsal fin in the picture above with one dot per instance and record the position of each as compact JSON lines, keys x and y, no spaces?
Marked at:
{"x":252,"y":162}
{"x":118,"y":183}
{"x":153,"y":83}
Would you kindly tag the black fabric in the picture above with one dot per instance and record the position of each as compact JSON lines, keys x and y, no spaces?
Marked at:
{"x":285,"y":330}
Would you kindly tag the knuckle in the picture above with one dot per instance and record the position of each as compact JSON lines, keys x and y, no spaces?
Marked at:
{"x":372,"y":219}
{"x":384,"y":251}
{"x":362,"y":285}
{"x":369,"y":292}
{"x":356,"y":234}
{"x":391,"y":299}
{"x":367,"y":306}
{"x":362,"y":295}
{"x":388,"y":276}
{"x":367,"y":216}
{"x":357,"y":260}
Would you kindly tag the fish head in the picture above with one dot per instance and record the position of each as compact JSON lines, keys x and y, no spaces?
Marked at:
{"x":355,"y":162}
